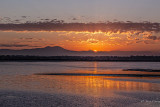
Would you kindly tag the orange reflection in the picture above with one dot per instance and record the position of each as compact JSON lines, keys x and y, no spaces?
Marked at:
{"x":97,"y":86}
{"x":86,"y":85}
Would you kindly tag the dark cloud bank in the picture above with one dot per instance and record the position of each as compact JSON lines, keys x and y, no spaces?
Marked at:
{"x":55,"y":25}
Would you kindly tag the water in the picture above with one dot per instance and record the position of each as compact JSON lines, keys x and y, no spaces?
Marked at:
{"x":21,"y":76}
{"x":28,"y":68}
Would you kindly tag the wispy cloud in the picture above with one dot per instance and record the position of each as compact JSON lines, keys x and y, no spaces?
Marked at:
{"x":92,"y":41}
{"x":15,"y":45}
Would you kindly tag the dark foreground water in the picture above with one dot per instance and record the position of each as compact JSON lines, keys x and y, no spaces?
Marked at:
{"x":20,"y":86}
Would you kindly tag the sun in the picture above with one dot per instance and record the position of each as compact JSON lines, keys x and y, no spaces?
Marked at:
{"x":95,"y":50}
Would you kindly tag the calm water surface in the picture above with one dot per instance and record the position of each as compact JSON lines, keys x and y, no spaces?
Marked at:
{"x":21,"y":76}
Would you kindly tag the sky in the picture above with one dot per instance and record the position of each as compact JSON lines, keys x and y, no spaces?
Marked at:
{"x":99,"y":10}
{"x":81,"y":11}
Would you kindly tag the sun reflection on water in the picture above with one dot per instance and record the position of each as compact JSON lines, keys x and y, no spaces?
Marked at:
{"x":86,"y":85}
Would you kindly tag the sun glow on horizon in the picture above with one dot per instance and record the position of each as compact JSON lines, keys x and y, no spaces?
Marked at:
{"x":81,"y":41}
{"x":95,"y":51}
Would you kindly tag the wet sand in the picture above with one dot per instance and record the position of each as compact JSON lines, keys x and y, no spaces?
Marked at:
{"x":35,"y":99}
{"x":79,"y":91}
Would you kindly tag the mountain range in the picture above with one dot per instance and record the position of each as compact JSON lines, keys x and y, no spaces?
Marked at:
{"x":59,"y":51}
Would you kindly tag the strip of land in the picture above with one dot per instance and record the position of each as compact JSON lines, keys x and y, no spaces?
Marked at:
{"x":91,"y":74}
{"x":81,"y":58}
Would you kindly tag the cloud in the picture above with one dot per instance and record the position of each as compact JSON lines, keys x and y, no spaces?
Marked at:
{"x":153,"y":37}
{"x":92,"y":40}
{"x":30,"y":39}
{"x":74,"y":18}
{"x":149,"y":42}
{"x":60,"y":25}
{"x":26,"y":38}
{"x":15,"y":45}
{"x":24,"y":16}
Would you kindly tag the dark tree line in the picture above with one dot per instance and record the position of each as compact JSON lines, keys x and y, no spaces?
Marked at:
{"x":79,"y":58}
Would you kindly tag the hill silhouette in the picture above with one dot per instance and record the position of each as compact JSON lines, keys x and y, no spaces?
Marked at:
{"x":59,"y":51}
{"x":47,"y":51}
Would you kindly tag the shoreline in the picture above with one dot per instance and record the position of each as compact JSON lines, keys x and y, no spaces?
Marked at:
{"x":21,"y":58}
{"x":92,"y":74}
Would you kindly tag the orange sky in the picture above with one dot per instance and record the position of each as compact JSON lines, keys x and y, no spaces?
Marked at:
{"x":103,"y":25}
{"x":81,"y":41}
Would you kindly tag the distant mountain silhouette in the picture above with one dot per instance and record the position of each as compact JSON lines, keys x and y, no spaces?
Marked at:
{"x":59,"y":51}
